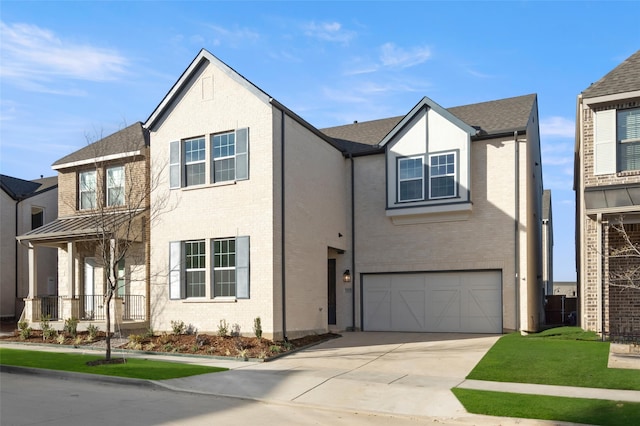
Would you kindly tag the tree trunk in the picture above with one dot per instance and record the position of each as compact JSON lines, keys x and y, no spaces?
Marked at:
{"x":108,"y":331}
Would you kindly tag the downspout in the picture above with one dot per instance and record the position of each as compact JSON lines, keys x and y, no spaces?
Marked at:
{"x":517,"y":229}
{"x":353,"y":245}
{"x":282,"y":228}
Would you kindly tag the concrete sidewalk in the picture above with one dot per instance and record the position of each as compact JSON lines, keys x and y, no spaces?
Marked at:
{"x":400,"y":374}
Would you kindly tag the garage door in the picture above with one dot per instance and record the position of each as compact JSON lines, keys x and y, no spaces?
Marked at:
{"x":459,"y":302}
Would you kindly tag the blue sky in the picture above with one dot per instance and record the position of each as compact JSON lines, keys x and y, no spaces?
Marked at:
{"x":72,"y":72}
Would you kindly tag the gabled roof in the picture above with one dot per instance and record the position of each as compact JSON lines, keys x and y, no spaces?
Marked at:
{"x":203,"y":57}
{"x":19,"y":189}
{"x":124,"y":143}
{"x":490,"y":118}
{"x":623,"y":78}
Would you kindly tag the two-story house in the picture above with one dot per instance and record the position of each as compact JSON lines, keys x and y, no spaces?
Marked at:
{"x":426,"y":222}
{"x":25,"y":205}
{"x":607,"y":185}
{"x":102,"y":229}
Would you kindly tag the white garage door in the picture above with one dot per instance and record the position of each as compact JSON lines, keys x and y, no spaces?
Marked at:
{"x":459,"y":302}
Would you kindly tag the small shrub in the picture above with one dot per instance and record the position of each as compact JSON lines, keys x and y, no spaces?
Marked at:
{"x":201,"y":340}
{"x":164,"y":338}
{"x":49,"y":333}
{"x":60,"y":339}
{"x":257,"y":328}
{"x":93,"y":332}
{"x":190,"y":330}
{"x":242,"y":354}
{"x":45,"y":326}
{"x":135,"y":338}
{"x":211,"y":350}
{"x":168,"y":347}
{"x":223,"y":328}
{"x":149,"y":346}
{"x":25,"y":332}
{"x":195,"y":348}
{"x":77,"y":341}
{"x":22,"y":325}
{"x":275,"y":349}
{"x":178,"y":327}
{"x":149,"y":333}
{"x":287,"y":346}
{"x":71,"y":326}
{"x":235,"y":330}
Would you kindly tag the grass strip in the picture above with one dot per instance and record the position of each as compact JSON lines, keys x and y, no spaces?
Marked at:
{"x":574,"y":410}
{"x":136,"y":368}
{"x":566,"y":356}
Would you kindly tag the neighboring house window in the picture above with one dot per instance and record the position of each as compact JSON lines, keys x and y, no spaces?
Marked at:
{"x":229,"y":268}
{"x":410,"y":179}
{"x":628,"y":137}
{"x":195,"y":268}
{"x":121,"y":290}
{"x":87,"y":190}
{"x":115,"y":186}
{"x":37,"y":217}
{"x":195,"y":161}
{"x":442,"y":175}
{"x":229,"y":159}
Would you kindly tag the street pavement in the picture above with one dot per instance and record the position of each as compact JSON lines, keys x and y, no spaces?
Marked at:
{"x":395,"y":374}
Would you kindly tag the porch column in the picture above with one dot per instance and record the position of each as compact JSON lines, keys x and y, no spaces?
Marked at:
{"x":71,"y":268}
{"x":33,"y":272}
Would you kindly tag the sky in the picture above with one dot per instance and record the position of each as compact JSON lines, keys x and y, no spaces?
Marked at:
{"x":73,"y":72}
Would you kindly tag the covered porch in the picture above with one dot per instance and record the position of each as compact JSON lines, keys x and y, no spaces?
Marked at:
{"x":84,"y":262}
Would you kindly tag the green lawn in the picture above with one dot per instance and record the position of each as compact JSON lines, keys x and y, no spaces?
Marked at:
{"x":565,"y":356}
{"x":137,"y":368}
{"x":575,"y":410}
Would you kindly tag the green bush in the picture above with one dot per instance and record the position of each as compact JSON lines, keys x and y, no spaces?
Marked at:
{"x":71,"y":326}
{"x":178,"y":327}
{"x":257,"y":327}
{"x":223,"y":328}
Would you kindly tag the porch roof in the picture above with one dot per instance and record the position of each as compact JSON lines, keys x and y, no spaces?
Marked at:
{"x":78,"y":227}
{"x":612,"y":198}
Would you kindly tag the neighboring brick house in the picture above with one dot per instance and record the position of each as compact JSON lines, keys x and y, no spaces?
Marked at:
{"x":430,"y":221}
{"x":103,"y":208}
{"x":25,"y":205}
{"x":607,"y":185}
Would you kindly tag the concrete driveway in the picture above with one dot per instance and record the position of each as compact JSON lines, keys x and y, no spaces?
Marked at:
{"x":394,"y":373}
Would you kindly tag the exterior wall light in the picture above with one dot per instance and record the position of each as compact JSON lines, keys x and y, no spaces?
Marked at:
{"x":346,"y":277}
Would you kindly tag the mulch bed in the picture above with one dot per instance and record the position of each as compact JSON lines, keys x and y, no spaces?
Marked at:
{"x":195,"y":344}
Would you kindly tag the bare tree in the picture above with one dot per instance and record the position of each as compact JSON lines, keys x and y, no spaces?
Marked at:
{"x":115,"y":194}
{"x":624,"y":255}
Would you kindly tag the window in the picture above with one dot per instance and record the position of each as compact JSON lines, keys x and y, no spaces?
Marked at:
{"x":115,"y":186}
{"x":87,"y":190}
{"x":195,"y":268}
{"x":229,"y":159}
{"x":410,"y":179}
{"x":195,"y":161}
{"x":224,"y":267}
{"x":628,"y":135}
{"x":37,"y":217}
{"x":229,"y":268}
{"x":442,"y":175}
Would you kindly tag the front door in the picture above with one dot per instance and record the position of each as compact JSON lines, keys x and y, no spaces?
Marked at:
{"x":331,"y":285}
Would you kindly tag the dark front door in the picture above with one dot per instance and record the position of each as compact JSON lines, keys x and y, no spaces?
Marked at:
{"x":332,"y":291}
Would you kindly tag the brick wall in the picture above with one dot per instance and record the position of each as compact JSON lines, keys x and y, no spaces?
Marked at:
{"x":623,"y":303}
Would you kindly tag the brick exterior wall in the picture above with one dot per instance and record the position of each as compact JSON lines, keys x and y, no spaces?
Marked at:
{"x":622,"y":304}
{"x":603,"y":308}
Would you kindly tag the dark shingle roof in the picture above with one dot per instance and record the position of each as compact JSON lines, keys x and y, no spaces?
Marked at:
{"x":490,"y":118}
{"x":132,"y":138}
{"x":19,"y":189}
{"x":623,"y":78}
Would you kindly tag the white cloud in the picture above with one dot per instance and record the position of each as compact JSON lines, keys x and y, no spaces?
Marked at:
{"x":32,"y":55}
{"x":557,"y":126}
{"x":233,"y":37}
{"x":328,"y":31}
{"x":397,"y":57}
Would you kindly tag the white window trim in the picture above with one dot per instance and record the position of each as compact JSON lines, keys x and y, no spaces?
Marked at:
{"x":109,"y":204}
{"x":454,"y":174}
{"x":400,"y":180}
{"x":95,"y":189}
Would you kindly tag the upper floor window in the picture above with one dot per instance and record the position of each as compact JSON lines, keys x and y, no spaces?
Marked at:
{"x":87,"y":190}
{"x":628,"y":137}
{"x":115,"y":186}
{"x":195,"y":161}
{"x":442,"y":175}
{"x":410,"y":179}
{"x":229,"y":159}
{"x":37,"y":217}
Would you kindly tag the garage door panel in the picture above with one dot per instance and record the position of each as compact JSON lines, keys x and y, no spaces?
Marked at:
{"x":434,"y":302}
